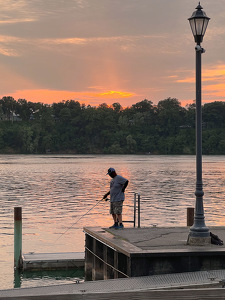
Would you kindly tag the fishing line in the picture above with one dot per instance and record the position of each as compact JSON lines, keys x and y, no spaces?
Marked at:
{"x":80,"y":218}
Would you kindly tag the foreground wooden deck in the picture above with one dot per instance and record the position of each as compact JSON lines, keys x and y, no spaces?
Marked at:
{"x":196,"y":285}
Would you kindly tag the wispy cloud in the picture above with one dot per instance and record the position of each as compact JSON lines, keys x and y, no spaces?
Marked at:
{"x":10,"y":5}
{"x":8,"y":45}
{"x":213,"y":79}
{"x":124,"y":42}
{"x":11,"y":39}
{"x":215,"y":90}
{"x":186,"y":80}
{"x":111,"y":39}
{"x":81,"y":3}
{"x":214,"y":73}
{"x":8,"y":52}
{"x":14,"y":21}
{"x":14,"y":10}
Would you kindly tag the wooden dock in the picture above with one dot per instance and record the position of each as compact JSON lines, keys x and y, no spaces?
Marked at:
{"x":50,"y":261}
{"x":134,"y":252}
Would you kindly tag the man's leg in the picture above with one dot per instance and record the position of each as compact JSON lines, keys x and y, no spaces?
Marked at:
{"x":115,"y":225}
{"x":114,"y":218}
{"x":120,"y":225}
{"x":119,"y":217}
{"x":119,"y":214}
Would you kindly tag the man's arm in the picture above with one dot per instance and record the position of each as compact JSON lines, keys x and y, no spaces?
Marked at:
{"x":124,"y":186}
{"x":107,"y":194}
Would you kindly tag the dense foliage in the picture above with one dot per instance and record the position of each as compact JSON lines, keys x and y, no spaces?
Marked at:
{"x":69,"y":127}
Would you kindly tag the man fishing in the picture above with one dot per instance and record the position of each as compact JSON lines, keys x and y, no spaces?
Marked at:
{"x":118,"y":185}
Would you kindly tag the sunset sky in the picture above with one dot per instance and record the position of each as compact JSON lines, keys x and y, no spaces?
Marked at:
{"x":97,"y":51}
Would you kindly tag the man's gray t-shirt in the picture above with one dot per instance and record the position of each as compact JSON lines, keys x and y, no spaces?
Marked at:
{"x":116,"y":186}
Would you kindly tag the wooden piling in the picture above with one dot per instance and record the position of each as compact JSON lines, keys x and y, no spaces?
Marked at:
{"x":190,"y":216}
{"x":18,"y":237}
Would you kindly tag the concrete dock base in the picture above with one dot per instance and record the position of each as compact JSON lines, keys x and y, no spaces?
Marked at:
{"x":134,"y":252}
{"x":198,"y":241}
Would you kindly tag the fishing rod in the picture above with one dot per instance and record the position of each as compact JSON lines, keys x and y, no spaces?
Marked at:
{"x":80,"y":218}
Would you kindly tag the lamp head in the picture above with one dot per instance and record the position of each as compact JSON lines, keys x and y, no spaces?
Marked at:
{"x":198,"y":22}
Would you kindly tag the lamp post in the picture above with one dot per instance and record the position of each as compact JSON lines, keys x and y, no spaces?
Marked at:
{"x":199,"y":234}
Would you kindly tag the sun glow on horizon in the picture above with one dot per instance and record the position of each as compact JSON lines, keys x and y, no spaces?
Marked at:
{"x":112,"y":94}
{"x":54,"y":96}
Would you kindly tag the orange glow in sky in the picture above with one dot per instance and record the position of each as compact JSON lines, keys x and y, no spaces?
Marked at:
{"x":50,"y":96}
{"x":111,"y":94}
{"x":108,"y":51}
{"x":213,"y":79}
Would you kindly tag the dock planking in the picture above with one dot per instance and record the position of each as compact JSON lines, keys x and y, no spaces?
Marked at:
{"x":197,"y":285}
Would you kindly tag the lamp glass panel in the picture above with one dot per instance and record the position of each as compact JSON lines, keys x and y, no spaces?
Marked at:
{"x":199,"y":26}
{"x":206,"y":21}
{"x":193,"y":28}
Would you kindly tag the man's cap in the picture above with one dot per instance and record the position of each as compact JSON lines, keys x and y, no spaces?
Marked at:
{"x":110,"y":171}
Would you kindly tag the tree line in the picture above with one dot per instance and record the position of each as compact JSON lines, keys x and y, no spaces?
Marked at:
{"x":143,"y":128}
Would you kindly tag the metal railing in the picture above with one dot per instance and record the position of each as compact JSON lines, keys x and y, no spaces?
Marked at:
{"x":137,"y":209}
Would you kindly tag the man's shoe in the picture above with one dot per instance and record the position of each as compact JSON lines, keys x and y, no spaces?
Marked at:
{"x":120,"y":227}
{"x":114,"y":226}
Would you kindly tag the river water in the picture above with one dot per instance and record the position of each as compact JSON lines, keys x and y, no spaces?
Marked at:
{"x":55,"y":191}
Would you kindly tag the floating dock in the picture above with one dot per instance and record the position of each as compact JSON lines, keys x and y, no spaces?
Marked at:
{"x":196,"y":285}
{"x":51,"y":261}
{"x":134,"y":252}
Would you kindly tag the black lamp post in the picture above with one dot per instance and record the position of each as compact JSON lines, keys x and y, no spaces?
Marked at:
{"x":199,"y":233}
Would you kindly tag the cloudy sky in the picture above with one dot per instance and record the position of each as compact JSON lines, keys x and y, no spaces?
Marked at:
{"x":97,"y":51}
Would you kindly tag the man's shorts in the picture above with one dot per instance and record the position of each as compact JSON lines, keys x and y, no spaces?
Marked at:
{"x":116,"y":207}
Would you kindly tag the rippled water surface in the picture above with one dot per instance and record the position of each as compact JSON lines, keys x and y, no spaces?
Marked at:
{"x":54,"y":191}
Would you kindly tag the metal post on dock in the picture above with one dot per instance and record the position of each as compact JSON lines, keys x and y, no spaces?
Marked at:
{"x":18,"y":237}
{"x":135,"y":201}
{"x":139,"y":214}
